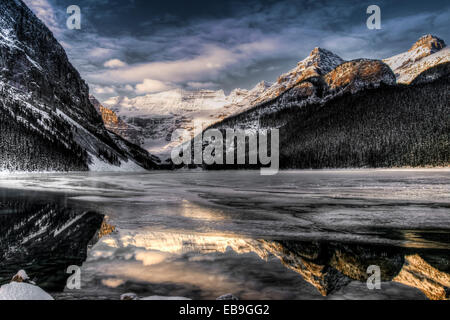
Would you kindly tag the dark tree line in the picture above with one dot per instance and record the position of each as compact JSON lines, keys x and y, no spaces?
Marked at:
{"x":30,"y":143}
{"x":386,"y":127}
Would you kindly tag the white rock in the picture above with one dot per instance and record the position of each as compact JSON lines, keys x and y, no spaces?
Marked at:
{"x":227,"y":297}
{"x":23,"y":291}
{"x":21,"y":276}
{"x":129,"y":296}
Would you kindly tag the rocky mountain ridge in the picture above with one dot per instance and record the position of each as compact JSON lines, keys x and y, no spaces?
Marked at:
{"x":318,"y":63}
{"x":44,"y":99}
{"x":429,"y":51}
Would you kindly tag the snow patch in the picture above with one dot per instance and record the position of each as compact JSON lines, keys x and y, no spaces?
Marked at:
{"x":407,"y":66}
{"x":68,"y":224}
{"x":22,"y":275}
{"x":99,"y":165}
{"x":23,"y":291}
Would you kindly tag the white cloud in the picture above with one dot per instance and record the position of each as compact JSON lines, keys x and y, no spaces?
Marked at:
{"x":202,"y":85}
{"x":114,"y":63}
{"x":120,"y":101}
{"x":104,"y":90}
{"x":152,"y":86}
{"x":150,"y":258}
{"x":208,"y":66}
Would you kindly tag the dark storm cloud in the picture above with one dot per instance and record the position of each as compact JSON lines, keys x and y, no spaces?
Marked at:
{"x":226,"y":44}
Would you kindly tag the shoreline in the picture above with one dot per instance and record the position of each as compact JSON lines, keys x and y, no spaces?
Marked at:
{"x":22,"y":173}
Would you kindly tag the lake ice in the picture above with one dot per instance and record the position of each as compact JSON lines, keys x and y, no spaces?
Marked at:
{"x":297,"y":235}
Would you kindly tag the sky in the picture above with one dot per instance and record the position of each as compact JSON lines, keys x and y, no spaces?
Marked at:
{"x":135,"y":47}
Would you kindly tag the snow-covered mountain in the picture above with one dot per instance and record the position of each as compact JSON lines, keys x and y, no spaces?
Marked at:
{"x":171,"y":102}
{"x":356,"y":75}
{"x":317,"y":86}
{"x":318,"y":78}
{"x":323,"y":75}
{"x":358,"y":115}
{"x":158,"y":115}
{"x":48,"y":122}
{"x":151,"y":119}
{"x":429,"y":51}
{"x":318,"y":63}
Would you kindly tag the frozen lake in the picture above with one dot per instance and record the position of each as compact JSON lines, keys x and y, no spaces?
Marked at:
{"x":297,"y":235}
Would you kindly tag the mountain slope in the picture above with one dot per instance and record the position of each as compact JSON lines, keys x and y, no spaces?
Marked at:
{"x":115,"y":124}
{"x":318,"y":63}
{"x":358,"y":115}
{"x":43,"y":98}
{"x":349,"y":77}
{"x":382,"y":126}
{"x":426,"y":53}
{"x":386,"y":127}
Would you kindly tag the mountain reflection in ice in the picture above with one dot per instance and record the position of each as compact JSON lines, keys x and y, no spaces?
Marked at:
{"x":299,"y":235}
{"x":44,"y":235}
{"x":205,"y":266}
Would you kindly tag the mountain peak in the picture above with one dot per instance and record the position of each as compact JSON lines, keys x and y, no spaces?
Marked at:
{"x":426,"y":53}
{"x":430,"y":43}
{"x":317,"y":51}
{"x":322,"y":60}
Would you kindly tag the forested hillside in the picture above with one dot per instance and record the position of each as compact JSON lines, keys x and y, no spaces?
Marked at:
{"x":47,"y":121}
{"x":24,"y":146}
{"x":389,"y":126}
{"x":385,"y":127}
